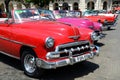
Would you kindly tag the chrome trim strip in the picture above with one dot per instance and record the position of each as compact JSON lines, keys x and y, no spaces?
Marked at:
{"x":9,"y":55}
{"x":17,"y":42}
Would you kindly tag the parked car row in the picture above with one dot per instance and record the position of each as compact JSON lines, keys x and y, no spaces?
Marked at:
{"x":43,"y":39}
{"x":107,"y":19}
{"x":69,"y":18}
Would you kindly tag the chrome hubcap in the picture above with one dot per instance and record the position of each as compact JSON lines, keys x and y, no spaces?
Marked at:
{"x":29,"y":63}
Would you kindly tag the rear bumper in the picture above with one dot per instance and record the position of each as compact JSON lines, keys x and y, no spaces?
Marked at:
{"x":110,"y":24}
{"x":68,"y":61}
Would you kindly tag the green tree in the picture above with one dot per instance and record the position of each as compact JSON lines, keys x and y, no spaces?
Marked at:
{"x":40,"y":3}
{"x":26,"y":3}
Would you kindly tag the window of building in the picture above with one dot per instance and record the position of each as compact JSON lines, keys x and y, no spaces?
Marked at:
{"x":105,"y":5}
{"x":75,"y":6}
{"x":56,"y":6}
{"x":90,"y":5}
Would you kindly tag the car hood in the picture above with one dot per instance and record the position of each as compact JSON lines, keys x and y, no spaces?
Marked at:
{"x":44,"y":29}
{"x":80,"y":22}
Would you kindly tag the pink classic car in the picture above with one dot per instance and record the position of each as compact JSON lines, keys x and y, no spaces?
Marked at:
{"x":42,"y":44}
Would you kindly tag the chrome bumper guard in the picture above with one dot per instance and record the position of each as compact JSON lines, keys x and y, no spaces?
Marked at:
{"x":111,"y":24}
{"x":115,"y":24}
{"x":101,"y":36}
{"x":68,"y":61}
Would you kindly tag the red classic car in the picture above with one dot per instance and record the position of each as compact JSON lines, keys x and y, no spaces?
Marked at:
{"x":107,"y":21}
{"x":106,"y":13}
{"x":41,"y":44}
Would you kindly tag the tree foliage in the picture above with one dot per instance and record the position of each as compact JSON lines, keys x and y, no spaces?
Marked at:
{"x":26,"y":3}
{"x":40,"y":3}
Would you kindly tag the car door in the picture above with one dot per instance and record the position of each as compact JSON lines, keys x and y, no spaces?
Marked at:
{"x":5,"y":37}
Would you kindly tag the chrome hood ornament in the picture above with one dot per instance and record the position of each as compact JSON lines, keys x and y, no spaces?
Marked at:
{"x":75,"y":37}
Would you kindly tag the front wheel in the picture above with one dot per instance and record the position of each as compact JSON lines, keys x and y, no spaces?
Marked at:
{"x":28,"y":61}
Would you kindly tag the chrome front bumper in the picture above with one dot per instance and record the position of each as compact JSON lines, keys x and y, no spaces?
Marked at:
{"x":68,"y":61}
{"x":100,"y":35}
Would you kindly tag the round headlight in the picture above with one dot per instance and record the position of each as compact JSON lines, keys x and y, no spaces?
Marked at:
{"x":91,"y":27}
{"x":49,"y":42}
{"x":94,"y":36}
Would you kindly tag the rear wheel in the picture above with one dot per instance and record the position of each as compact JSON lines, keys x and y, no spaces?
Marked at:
{"x":28,"y":61}
{"x":108,"y":28}
{"x":95,"y":42}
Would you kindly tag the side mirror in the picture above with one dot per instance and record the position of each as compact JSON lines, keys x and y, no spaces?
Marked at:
{"x":8,"y":21}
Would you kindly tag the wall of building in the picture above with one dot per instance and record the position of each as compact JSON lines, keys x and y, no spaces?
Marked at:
{"x":83,"y":4}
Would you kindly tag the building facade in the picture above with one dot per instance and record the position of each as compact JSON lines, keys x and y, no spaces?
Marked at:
{"x":70,"y":4}
{"x":82,"y":4}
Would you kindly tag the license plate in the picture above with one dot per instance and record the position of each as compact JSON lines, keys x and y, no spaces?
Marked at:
{"x":81,"y":58}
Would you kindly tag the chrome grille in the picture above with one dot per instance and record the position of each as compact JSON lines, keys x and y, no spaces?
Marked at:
{"x":73,"y":49}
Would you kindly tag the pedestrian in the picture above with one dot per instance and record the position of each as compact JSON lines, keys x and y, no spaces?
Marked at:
{"x":0,"y":12}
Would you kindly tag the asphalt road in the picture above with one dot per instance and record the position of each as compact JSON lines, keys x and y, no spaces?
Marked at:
{"x":104,"y":67}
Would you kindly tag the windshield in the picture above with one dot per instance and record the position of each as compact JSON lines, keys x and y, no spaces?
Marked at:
{"x":102,"y":11}
{"x":46,"y":14}
{"x":24,"y":15}
{"x":74,"y":13}
{"x":90,"y":13}
{"x":64,"y":13}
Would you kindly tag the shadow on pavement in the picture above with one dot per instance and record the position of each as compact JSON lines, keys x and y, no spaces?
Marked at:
{"x":111,"y":29}
{"x":10,"y":61}
{"x":70,"y":72}
{"x":99,"y":44}
{"x":64,"y":73}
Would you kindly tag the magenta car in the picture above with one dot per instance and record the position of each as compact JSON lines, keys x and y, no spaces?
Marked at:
{"x":81,"y":22}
